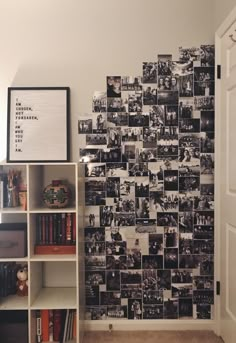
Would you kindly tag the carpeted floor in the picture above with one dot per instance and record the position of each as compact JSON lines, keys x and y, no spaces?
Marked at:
{"x":151,"y":337}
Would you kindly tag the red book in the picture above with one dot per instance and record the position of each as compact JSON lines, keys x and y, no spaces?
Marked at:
{"x":45,"y":325}
{"x":57,"y":322}
{"x":74,"y":227}
{"x":68,"y":228}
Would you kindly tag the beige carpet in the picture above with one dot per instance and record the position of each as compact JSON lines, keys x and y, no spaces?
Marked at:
{"x":152,"y":337}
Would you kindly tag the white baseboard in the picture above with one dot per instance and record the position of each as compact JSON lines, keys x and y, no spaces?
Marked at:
{"x":151,"y":325}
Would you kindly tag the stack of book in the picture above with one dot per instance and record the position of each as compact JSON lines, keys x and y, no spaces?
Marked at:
{"x":53,"y":230}
{"x":8,"y":278}
{"x":56,"y":325}
{"x":3,"y":190}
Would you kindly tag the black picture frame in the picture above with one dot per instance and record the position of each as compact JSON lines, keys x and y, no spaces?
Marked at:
{"x":32,"y":135}
{"x":13,"y":240}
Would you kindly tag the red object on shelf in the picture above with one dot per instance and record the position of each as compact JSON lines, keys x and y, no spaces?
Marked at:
{"x":54,"y":249}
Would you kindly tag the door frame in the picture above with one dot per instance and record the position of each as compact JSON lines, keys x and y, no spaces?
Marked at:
{"x":230,"y":19}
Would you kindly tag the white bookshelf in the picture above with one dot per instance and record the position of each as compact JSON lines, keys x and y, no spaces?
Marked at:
{"x":54,"y":281}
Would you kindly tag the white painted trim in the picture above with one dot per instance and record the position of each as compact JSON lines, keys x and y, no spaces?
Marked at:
{"x":217,"y":178}
{"x":152,"y":325}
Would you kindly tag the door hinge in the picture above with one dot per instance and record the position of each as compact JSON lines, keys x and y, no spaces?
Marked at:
{"x":218,"y":71}
{"x":217,"y":287}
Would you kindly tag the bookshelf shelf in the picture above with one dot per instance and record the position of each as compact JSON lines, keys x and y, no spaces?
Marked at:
{"x":54,"y":280}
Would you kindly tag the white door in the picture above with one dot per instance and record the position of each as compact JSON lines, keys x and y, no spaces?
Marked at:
{"x":226,"y":173}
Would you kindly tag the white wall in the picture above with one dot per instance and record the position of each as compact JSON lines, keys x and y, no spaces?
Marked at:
{"x":76,"y":43}
{"x":222,"y":9}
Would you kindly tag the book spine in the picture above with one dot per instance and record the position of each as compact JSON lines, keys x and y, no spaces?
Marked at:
{"x":45,"y":325}
{"x":59,"y":229}
{"x":1,"y":193}
{"x":50,"y":229}
{"x":74,"y":325}
{"x":43,"y":228}
{"x":63,"y":227}
{"x":54,"y":228}
{"x":68,"y":228}
{"x":74,"y":228}
{"x":46,"y":229}
{"x":38,"y":327}
{"x":56,"y":324}
{"x":50,"y":326}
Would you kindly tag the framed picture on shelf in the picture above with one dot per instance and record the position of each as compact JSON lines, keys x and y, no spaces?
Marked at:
{"x":38,"y":124}
{"x":13,"y":240}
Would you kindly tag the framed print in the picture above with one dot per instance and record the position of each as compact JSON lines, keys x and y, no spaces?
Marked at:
{"x":38,"y":124}
{"x":13,"y":240}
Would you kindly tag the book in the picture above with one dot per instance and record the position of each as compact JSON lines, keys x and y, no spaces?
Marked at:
{"x":66,"y":327}
{"x":57,"y":322}
{"x":38,"y":327}
{"x":50,"y":325}
{"x":45,"y":325}
{"x":1,"y":193}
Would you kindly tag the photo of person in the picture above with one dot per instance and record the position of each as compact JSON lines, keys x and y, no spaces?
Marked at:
{"x":85,"y":126}
{"x":149,"y":72}
{"x":99,"y":102}
{"x":164,"y":64}
{"x":149,"y":95}
{"x":113,"y":86}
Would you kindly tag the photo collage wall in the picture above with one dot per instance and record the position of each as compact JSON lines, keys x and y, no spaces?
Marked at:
{"x":148,"y":154}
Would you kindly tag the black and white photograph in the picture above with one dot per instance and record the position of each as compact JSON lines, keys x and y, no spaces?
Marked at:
{"x":127,"y":187}
{"x":168,"y":97}
{"x":113,"y":280}
{"x":207,"y":141}
{"x":171,"y":258}
{"x":142,"y":186}
{"x":189,"y":156}
{"x":170,"y":237}
{"x":207,"y":121}
{"x":186,"y":106}
{"x":203,"y":232}
{"x":138,"y":169}
{"x":165,"y":202}
{"x":110,"y":298}
{"x":182,"y":290}
{"x":149,"y":279}
{"x":189,"y":54}
{"x":106,"y":215}
{"x":92,"y":140}
{"x":189,"y":184}
{"x":116,"y":263}
{"x":204,"y":74}
{"x":94,"y":234}
{"x":167,"y":219}
{"x":188,"y":261}
{"x":95,"y":184}
{"x":146,"y":225}
{"x":124,"y":219}
{"x":171,"y":180}
{"x":116,"y":105}
{"x":99,"y":102}
{"x":92,"y":216}
{"x":114,"y":234}
{"x":152,"y":261}
{"x":186,"y":244}
{"x":113,"y":137}
{"x":149,"y":137}
{"x":96,"y":313}
{"x":185,"y":308}
{"x":149,"y":95}
{"x":204,"y":203}
{"x":203,"y":283}
{"x":180,"y":68}
{"x":204,"y":88}
{"x":94,"y":198}
{"x":116,"y":248}
{"x":130,"y":83}
{"x":132,"y":134}
{"x":153,"y":312}
{"x":163,"y":280}
{"x":164,"y":64}
{"x":92,"y":295}
{"x":111,"y":155}
{"x":207,"y":55}
{"x":113,"y":86}
{"x":157,"y":116}
{"x":204,"y":218}
{"x":85,"y":126}
{"x":131,"y":291}
{"x":95,"y":263}
{"x":135,"y":309}
{"x":186,"y":201}
{"x":203,"y":247}
{"x":93,"y":248}
{"x":142,"y":207}
{"x":204,"y":103}
{"x":95,"y":170}
{"x":189,"y":125}
{"x":89,"y":155}
{"x":202,"y":311}
{"x":186,"y":222}
{"x":131,"y":277}
{"x":118,"y":169}
{"x":207,"y":265}
{"x":155,"y":244}
{"x":171,"y":115}
{"x":182,"y":276}
{"x":116,"y":312}
{"x":117,"y":119}
{"x":129,"y":152}
{"x":207,"y":163}
{"x":203,"y":297}
{"x":149,"y":72}
{"x":135,"y":102}
{"x":171,"y":308}
{"x":94,"y":278}
{"x":99,"y":122}
{"x":186,"y":86}
{"x":138,"y":119}
{"x":113,"y":187}
{"x":147,"y":155}
{"x":189,"y":140}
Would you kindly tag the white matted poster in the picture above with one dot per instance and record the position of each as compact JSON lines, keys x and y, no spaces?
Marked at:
{"x":38,"y":124}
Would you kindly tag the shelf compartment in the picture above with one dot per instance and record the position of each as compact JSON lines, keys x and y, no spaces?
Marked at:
{"x":14,"y":302}
{"x":55,"y":298}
